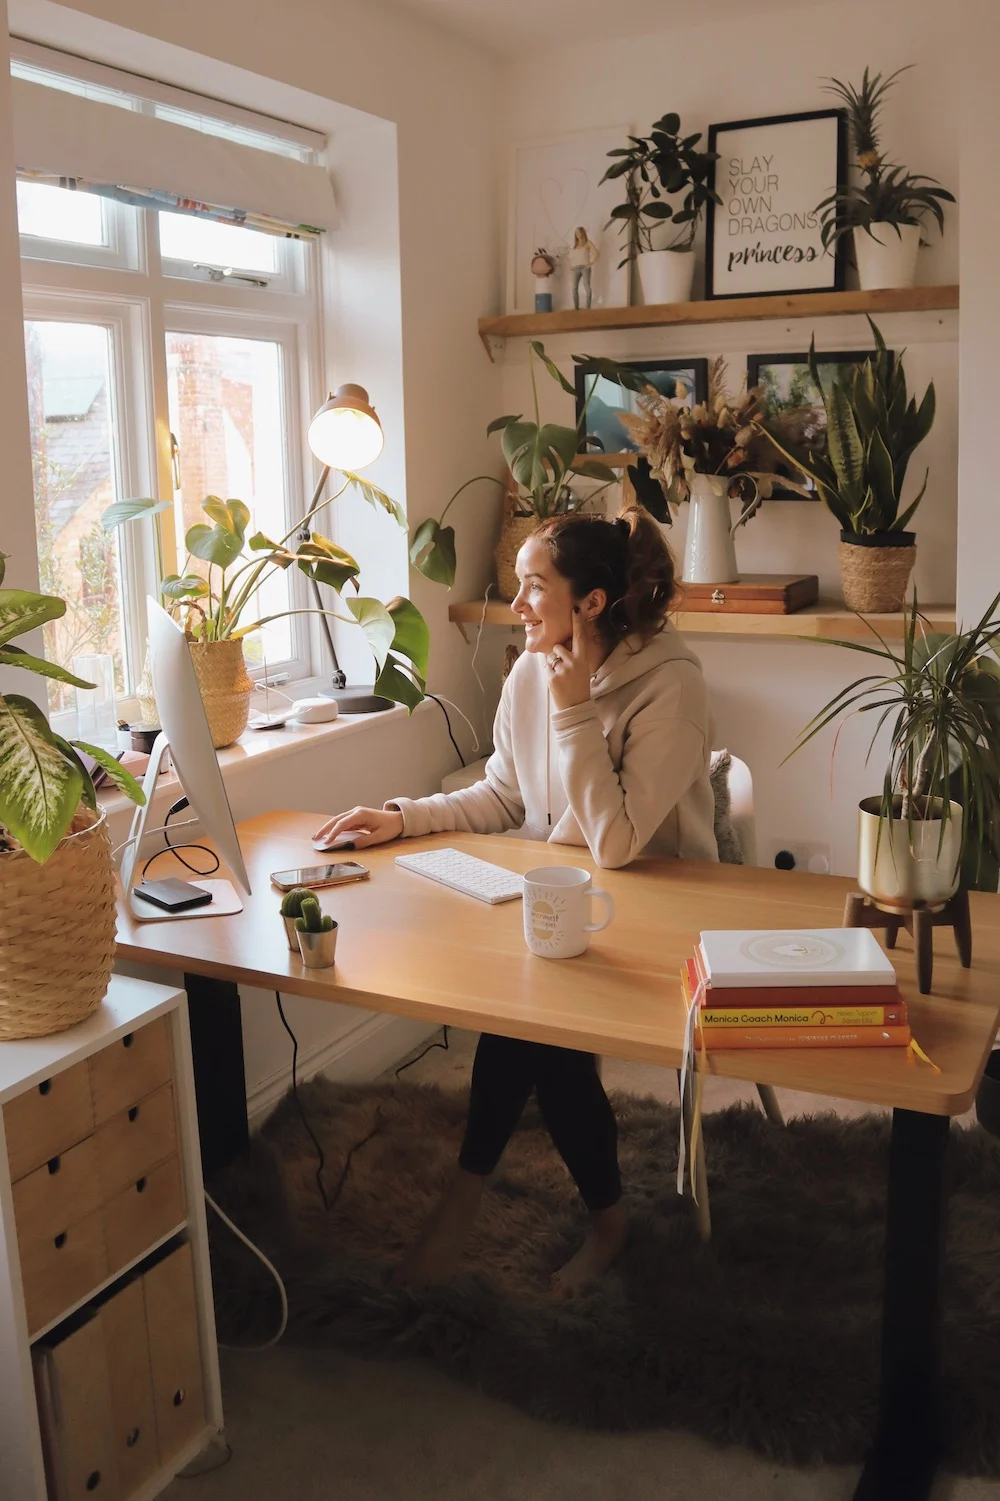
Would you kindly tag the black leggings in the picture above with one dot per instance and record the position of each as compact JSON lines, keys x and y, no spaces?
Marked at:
{"x":571,"y":1099}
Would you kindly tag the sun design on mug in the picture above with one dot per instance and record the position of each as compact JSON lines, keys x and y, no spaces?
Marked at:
{"x":543,"y":918}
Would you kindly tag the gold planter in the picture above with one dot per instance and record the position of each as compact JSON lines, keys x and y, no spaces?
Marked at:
{"x":225,"y":686}
{"x":57,"y":931}
{"x":318,"y":950}
{"x":875,"y":571}
{"x":908,"y":866}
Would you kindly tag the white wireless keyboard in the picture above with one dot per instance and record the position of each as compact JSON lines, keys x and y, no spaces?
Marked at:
{"x":478,"y":878}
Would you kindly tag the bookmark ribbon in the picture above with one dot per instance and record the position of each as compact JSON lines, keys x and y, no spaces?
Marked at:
{"x":686,"y":1148}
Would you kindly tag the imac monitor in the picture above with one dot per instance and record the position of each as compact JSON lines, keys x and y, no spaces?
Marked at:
{"x":185,"y":733}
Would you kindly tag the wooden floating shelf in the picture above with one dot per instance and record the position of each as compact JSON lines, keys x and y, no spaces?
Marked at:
{"x":718,"y":310}
{"x":821,"y":622}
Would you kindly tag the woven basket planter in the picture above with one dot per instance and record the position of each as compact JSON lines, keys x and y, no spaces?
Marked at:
{"x":874,"y":575}
{"x":57,"y":932}
{"x":225,"y":686}
{"x":514,"y":532}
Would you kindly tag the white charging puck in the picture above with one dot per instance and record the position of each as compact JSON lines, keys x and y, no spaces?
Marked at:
{"x":314,"y":710}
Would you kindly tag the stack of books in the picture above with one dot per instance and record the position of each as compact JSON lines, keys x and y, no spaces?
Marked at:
{"x":817,"y":987}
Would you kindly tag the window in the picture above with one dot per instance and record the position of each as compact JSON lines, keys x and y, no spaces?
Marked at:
{"x":168,"y":355}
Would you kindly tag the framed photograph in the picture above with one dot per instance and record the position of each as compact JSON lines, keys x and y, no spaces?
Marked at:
{"x":792,"y":400}
{"x":555,"y":189}
{"x":683,"y":381}
{"x":763,"y":239}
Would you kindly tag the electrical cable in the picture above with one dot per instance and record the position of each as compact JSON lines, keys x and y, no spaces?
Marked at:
{"x":251,"y":1349}
{"x":447,"y":721}
{"x":479,"y":637}
{"x":175,"y":849}
{"x":444,"y":1044}
{"x":295,"y":1091}
{"x":468,"y":721}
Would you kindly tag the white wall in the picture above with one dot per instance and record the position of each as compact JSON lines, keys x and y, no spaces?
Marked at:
{"x":411,"y":116}
{"x":764,"y":693}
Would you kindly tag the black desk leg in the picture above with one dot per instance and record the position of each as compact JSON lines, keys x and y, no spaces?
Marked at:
{"x":901,"y":1465}
{"x":219,"y":1080}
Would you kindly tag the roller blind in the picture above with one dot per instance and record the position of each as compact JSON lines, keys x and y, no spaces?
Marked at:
{"x":79,"y":142}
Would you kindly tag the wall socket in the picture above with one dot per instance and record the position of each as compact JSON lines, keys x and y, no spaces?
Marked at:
{"x":799,"y":854}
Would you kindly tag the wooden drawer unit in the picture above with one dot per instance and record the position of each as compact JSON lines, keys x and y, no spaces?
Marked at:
{"x":136,"y":1139}
{"x":63,"y":1268}
{"x":143,"y":1212}
{"x":133,"y":1424}
{"x":57,"y":1195}
{"x":48,"y":1119}
{"x":75,"y":1408}
{"x":130,"y":1068}
{"x":174,"y":1355}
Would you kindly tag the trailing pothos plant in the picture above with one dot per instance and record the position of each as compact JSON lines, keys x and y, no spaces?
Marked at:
{"x":886,"y":193}
{"x":873,"y":427}
{"x":43,"y":780}
{"x":223,"y":599}
{"x":543,"y":459}
{"x":940,"y":694}
{"x":656,"y":168}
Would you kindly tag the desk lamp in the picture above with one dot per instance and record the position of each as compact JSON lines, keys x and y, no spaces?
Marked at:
{"x":344,"y":434}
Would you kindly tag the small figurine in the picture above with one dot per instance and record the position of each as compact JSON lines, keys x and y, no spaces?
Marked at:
{"x":581,"y":258}
{"x":542,"y":267}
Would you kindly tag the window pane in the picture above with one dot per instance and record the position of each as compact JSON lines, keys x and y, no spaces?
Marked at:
{"x":60,"y":214}
{"x":71,"y":408}
{"x":226,"y":411}
{"x":183,"y":237}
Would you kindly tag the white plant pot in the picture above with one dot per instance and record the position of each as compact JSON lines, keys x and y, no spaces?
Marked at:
{"x":665,"y":275}
{"x":709,"y":551}
{"x":905,"y":866}
{"x":886,"y":258}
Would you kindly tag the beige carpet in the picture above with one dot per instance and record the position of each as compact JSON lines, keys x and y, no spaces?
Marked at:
{"x":317,"y":1425}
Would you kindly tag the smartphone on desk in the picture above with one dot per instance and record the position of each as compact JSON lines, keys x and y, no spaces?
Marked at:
{"x":335,"y":874}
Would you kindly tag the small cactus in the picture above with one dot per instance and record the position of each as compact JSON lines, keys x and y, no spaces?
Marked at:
{"x":310,"y":919}
{"x":291,"y":902}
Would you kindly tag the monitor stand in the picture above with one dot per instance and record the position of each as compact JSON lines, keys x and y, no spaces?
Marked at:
{"x":226,"y":900}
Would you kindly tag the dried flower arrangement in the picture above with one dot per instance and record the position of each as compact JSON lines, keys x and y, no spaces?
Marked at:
{"x":720,"y":436}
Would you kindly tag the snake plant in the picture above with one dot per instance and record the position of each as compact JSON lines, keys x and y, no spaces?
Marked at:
{"x":873,"y":427}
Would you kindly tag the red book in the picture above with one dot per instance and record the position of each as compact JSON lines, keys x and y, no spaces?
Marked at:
{"x":749,"y":1036}
{"x":795,"y":996}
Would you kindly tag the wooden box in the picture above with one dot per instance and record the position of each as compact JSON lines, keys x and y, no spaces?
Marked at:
{"x":752,"y":594}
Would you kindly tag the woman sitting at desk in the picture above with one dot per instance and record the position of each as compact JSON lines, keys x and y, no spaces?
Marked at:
{"x":602,"y":739}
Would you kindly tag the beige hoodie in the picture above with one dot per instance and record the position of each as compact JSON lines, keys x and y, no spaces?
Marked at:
{"x":624,"y":772}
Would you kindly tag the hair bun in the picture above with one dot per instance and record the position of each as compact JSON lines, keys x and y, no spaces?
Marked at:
{"x":621,"y":525}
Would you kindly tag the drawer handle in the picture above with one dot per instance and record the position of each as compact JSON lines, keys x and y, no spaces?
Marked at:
{"x":140,"y":1185}
{"x":54,"y":1164}
{"x":133,"y":1114}
{"x":45,"y":1086}
{"x":93,"y":1480}
{"x":128,"y":1039}
{"x":179,"y":1396}
{"x":132,"y":1439}
{"x":60,"y":1240}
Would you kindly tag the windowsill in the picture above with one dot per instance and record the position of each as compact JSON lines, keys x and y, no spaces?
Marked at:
{"x":257,"y":748}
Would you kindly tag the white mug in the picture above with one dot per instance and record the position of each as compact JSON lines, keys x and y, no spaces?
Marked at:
{"x":557,"y":911}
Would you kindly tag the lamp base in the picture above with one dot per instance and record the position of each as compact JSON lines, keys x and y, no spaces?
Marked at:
{"x":357,"y":700}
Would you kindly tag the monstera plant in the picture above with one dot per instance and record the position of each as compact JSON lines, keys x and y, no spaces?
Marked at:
{"x":43,"y":780}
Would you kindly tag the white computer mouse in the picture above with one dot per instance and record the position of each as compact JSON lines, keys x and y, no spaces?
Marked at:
{"x":314,"y":710}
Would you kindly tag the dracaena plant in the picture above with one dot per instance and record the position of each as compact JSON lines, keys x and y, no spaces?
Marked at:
{"x":886,"y":193}
{"x":940,"y":694}
{"x":542,"y":459}
{"x":43,"y":780}
{"x":873,"y":427}
{"x":223,"y":601}
{"x":655,"y":169}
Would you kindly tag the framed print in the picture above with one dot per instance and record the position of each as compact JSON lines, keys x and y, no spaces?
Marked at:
{"x":556,"y":189}
{"x":684,"y":381}
{"x":763,"y":239}
{"x":793,"y":404}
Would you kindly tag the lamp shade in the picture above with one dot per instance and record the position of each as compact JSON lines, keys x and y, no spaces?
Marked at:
{"x":346,"y":433}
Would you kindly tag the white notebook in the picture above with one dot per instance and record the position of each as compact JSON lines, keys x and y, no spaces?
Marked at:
{"x":756,"y":958}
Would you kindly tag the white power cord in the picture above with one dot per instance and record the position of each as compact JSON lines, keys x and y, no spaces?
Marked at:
{"x":163,"y":828}
{"x":472,"y":728}
{"x":479,"y":637}
{"x":253,"y":1349}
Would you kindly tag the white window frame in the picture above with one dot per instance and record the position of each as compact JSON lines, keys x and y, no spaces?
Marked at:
{"x":144,"y":296}
{"x":121,"y":248}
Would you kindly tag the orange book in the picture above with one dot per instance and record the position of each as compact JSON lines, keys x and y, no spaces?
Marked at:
{"x":817,"y":1011}
{"x":716,"y":1039}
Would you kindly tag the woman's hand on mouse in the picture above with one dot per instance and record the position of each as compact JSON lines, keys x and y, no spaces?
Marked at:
{"x":569,"y":668}
{"x":366,"y":826}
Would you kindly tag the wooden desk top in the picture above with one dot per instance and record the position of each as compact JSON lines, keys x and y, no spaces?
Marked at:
{"x":413,"y":948}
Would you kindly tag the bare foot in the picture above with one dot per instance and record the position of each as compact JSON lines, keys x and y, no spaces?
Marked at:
{"x":604,"y":1241}
{"x":437,"y":1253}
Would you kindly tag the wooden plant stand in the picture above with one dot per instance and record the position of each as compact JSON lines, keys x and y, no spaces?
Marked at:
{"x":863,"y":911}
